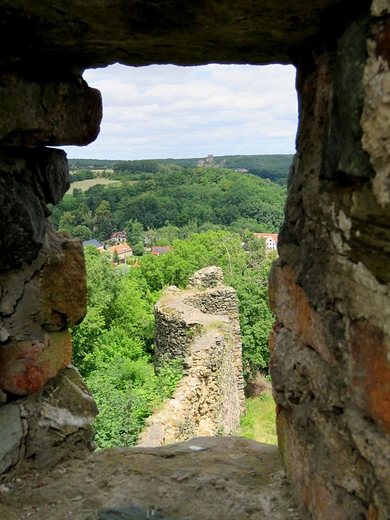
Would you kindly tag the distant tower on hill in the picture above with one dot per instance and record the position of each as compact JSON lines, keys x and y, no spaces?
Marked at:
{"x":210,"y":158}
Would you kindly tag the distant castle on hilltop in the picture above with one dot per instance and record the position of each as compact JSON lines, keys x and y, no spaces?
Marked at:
{"x":209,"y":161}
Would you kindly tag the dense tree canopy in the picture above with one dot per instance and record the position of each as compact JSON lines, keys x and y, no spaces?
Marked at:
{"x":180,"y":196}
{"x":273,"y":167}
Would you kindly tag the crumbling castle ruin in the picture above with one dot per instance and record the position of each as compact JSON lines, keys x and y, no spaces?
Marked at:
{"x":199,"y":326}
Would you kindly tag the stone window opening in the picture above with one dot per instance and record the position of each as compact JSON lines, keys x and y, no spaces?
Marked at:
{"x":329,"y":287}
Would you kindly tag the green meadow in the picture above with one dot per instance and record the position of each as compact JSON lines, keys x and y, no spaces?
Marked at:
{"x":88,"y":183}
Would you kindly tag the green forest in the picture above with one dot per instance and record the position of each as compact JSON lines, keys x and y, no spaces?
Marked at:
{"x":273,"y":167}
{"x":190,"y":199}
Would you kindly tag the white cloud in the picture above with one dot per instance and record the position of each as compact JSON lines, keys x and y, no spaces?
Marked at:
{"x":168,"y":111}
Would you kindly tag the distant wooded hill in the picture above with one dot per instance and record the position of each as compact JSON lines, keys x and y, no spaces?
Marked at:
{"x":273,"y":167}
{"x":80,"y":164}
{"x":178,"y":195}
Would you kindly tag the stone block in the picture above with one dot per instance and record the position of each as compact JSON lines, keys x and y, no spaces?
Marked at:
{"x":63,"y":284}
{"x":29,"y":179}
{"x":22,"y":218}
{"x":11,"y":435}
{"x":26,"y":365}
{"x":59,"y":418}
{"x":24,"y":321}
{"x":68,"y":392}
{"x":53,"y":113}
{"x":371,"y":372}
{"x":343,"y":153}
{"x":54,"y":171}
{"x":53,"y":424}
{"x":291,"y":304}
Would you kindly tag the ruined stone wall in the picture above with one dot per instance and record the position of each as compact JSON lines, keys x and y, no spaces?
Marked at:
{"x":330,"y":345}
{"x":42,"y":274}
{"x":209,"y":398}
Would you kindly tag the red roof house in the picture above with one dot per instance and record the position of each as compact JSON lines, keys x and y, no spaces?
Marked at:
{"x":123,"y":251}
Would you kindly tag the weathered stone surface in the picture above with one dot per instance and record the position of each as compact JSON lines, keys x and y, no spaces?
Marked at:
{"x":63,"y":302}
{"x":59,"y":419}
{"x":343,"y":153}
{"x":169,"y":31}
{"x":42,"y":296}
{"x":29,"y":179}
{"x":22,"y":215}
{"x":298,"y":315}
{"x":207,"y":277}
{"x":50,"y":426}
{"x":208,"y":478}
{"x":11,"y":436}
{"x":329,"y":290}
{"x":129,"y":512}
{"x":55,"y":113}
{"x":37,"y":305}
{"x":53,"y":167}
{"x":375,"y":121}
{"x":201,"y":328}
{"x":26,"y":365}
{"x":371,"y":372}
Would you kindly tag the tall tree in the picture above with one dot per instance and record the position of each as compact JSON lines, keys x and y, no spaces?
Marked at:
{"x":67,"y":222}
{"x":134,"y":232}
{"x":82,"y":232}
{"x":103,"y":220}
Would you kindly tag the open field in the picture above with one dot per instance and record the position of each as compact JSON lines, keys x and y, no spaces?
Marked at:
{"x":84,"y":185}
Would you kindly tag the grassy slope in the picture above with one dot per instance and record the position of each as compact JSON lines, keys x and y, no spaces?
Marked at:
{"x":259,"y":422}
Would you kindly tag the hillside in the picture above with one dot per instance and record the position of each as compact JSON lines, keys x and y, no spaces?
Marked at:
{"x":273,"y":167}
{"x":179,"y":196}
{"x":76,"y":164}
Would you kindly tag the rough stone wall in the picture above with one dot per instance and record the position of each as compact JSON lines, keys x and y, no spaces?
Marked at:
{"x":330,"y":362}
{"x":42,"y":274}
{"x":38,"y":303}
{"x":47,"y":426}
{"x":210,"y":397}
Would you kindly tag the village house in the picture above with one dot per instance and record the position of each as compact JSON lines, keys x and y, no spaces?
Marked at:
{"x":123,"y":251}
{"x":161,"y":250}
{"x":271,"y":240}
{"x":118,"y":237}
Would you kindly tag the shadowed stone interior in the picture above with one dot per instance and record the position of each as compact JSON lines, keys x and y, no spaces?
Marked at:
{"x":329,"y":288}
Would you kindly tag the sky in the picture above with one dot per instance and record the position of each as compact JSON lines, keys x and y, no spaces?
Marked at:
{"x":165,"y":111}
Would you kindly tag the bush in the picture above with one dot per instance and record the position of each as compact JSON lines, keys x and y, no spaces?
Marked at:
{"x":126,"y":393}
